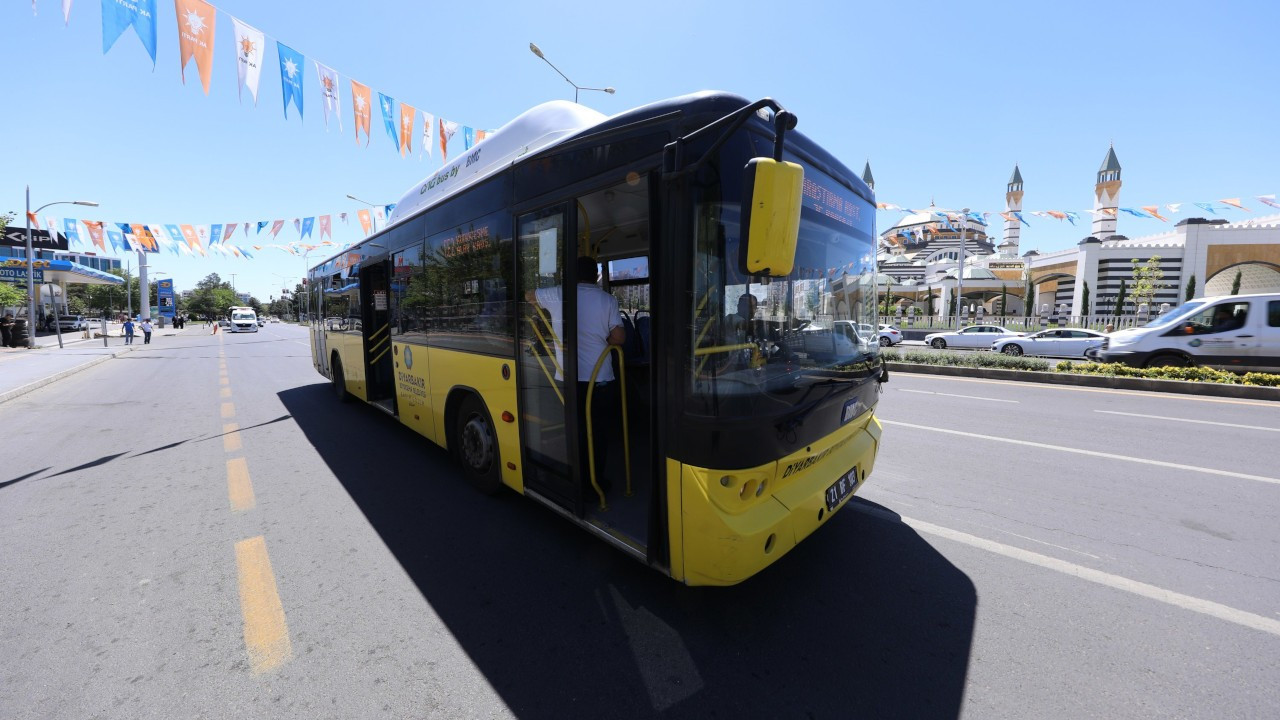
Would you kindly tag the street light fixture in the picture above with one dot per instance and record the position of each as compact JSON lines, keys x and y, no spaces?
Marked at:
{"x":576,"y":87}
{"x":31,"y":271}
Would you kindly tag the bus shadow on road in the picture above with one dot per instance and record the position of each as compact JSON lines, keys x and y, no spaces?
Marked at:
{"x":864,"y":619}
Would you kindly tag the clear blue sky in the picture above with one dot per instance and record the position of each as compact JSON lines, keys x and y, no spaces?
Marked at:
{"x":943,"y":98}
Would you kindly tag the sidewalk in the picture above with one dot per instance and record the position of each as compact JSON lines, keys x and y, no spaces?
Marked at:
{"x":23,"y":370}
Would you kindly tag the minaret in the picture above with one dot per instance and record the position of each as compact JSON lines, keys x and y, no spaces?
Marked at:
{"x":1106,"y":197}
{"x":866,"y":176}
{"x":1012,"y":203}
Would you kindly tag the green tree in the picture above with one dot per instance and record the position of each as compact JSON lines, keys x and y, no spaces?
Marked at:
{"x":11,"y":296}
{"x":1147,"y":280}
{"x":929,"y":305}
{"x":1235,"y":284}
{"x":1084,"y":302}
{"x":1028,"y":295}
{"x":211,"y":297}
{"x":1191,"y":289}
{"x":1121,"y":297}
{"x":1004,"y":299}
{"x":5,"y":219}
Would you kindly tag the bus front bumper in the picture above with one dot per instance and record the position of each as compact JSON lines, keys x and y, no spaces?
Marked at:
{"x":733,"y":529}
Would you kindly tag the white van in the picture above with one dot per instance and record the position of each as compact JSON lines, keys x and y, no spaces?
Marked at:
{"x":1233,"y":332}
{"x":243,"y":319}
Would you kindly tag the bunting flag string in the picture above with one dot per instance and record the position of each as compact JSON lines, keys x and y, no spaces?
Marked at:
{"x":197,"y":22}
{"x":1146,"y":212}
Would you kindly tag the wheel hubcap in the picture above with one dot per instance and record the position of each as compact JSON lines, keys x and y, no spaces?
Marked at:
{"x":477,"y":443}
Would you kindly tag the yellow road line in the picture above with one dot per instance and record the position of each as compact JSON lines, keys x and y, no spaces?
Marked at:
{"x":228,"y":410}
{"x":239,"y":486}
{"x":266,"y":632}
{"x":224,"y":392}
{"x":231,"y":437}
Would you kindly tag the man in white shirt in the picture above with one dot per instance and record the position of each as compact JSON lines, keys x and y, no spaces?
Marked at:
{"x":599,"y":325}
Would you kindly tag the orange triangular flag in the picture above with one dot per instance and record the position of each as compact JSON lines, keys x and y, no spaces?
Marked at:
{"x":361,"y":105}
{"x":1153,"y":211}
{"x":95,"y":233}
{"x":1234,"y":202}
{"x":407,"y":113}
{"x":196,"y":23}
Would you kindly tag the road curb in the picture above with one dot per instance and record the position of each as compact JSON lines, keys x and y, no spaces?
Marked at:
{"x":29,"y":387}
{"x":1244,"y":392}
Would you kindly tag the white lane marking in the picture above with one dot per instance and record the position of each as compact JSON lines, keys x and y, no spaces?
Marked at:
{"x":970,"y":397}
{"x":1109,"y":391}
{"x":1187,"y":420}
{"x":1094,"y":453}
{"x":1041,"y":542}
{"x":1116,"y":582}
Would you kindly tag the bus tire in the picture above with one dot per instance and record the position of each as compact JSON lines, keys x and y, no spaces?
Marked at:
{"x":476,"y":446}
{"x":339,"y":380}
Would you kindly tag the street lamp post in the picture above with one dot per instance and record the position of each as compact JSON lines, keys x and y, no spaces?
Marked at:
{"x":31,"y":271}
{"x":576,"y":87}
{"x":960,"y":273}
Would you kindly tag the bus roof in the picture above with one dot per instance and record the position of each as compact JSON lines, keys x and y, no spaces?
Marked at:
{"x":537,"y":128}
{"x":557,"y":122}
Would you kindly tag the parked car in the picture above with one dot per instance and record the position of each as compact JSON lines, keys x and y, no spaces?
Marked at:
{"x":1071,"y":343}
{"x":1234,"y":332}
{"x":68,"y":323}
{"x":975,"y":336}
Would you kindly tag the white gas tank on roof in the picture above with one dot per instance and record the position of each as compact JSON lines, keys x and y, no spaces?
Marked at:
{"x":535,"y":129}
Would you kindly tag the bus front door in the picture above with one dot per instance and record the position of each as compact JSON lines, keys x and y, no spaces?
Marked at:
{"x":546,"y":432}
{"x":375,"y":288}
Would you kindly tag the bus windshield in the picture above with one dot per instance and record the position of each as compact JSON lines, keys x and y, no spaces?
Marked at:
{"x":762,"y":344}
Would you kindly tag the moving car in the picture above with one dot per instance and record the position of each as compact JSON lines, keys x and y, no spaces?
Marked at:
{"x":1072,"y":343}
{"x":1232,"y":332}
{"x":975,"y":336}
{"x":68,"y":323}
{"x":243,"y":319}
{"x":889,"y":335}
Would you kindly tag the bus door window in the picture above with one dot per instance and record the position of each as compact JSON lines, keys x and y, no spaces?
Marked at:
{"x":541,"y":357}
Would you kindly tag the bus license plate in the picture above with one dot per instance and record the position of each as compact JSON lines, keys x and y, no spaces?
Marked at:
{"x":841,"y":488}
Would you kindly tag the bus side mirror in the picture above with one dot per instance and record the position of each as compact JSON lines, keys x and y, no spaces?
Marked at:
{"x":771,"y":216}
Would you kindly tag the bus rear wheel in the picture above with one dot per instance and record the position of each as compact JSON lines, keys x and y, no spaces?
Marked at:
{"x":476,"y":446}
{"x":339,"y":380}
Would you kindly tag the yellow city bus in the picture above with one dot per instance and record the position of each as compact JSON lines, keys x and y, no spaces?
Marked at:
{"x":733,"y":243}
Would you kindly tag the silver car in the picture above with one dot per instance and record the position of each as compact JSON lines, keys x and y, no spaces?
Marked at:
{"x":975,"y":336}
{"x":1052,"y":343}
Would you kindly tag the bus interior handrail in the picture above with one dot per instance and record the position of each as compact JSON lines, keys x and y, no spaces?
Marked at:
{"x":626,"y":443}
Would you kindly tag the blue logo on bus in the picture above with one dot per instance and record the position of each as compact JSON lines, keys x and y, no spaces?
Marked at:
{"x":408,"y":358}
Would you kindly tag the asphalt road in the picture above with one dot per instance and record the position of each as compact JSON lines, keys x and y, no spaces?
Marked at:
{"x":198,"y":529}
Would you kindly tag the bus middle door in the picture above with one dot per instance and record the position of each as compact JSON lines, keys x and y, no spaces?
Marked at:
{"x":375,"y":287}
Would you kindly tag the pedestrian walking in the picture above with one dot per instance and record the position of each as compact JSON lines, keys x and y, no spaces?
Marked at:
{"x":128,"y":331}
{"x":146,"y":331}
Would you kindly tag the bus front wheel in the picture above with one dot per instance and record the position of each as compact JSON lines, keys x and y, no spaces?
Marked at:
{"x":476,"y":446}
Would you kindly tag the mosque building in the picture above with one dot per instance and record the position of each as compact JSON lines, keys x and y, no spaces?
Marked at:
{"x":919,"y":255}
